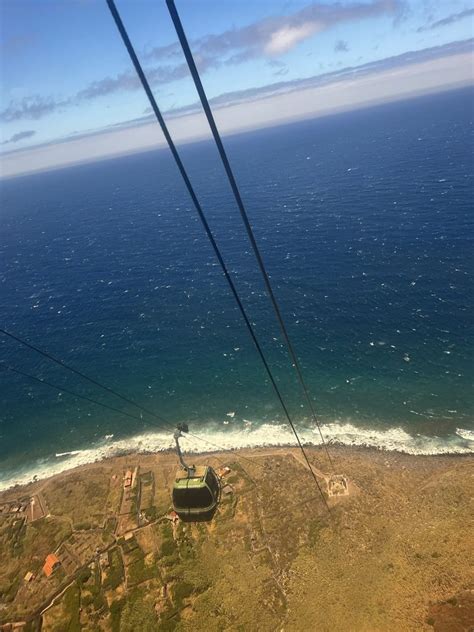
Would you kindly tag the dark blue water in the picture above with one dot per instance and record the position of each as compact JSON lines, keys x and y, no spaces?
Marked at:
{"x":364,"y":220}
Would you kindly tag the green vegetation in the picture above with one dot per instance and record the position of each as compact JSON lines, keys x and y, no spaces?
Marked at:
{"x":13,"y":534}
{"x":33,"y":626}
{"x":181,"y":590}
{"x":138,"y":614}
{"x":92,"y":594}
{"x":115,"y":573}
{"x":64,"y":616}
{"x":134,"y":505}
{"x":116,"y":608}
{"x":9,"y":588}
{"x":83,"y":526}
{"x":168,"y":547}
{"x":71,"y":602}
{"x":393,"y":557}
{"x":110,"y":527}
{"x":151,"y":513}
{"x":141,"y":569}
{"x":84,"y":575}
{"x":128,"y":546}
{"x":146,"y":497}
{"x":97,"y":594}
{"x":65,"y":497}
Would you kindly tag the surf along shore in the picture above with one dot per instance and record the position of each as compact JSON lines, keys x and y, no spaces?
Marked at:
{"x":395,"y":553}
{"x":243,"y":435}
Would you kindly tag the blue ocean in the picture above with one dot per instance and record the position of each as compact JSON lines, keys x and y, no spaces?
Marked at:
{"x":364,"y":220}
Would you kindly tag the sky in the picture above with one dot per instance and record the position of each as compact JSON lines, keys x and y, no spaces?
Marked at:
{"x":66,"y":76}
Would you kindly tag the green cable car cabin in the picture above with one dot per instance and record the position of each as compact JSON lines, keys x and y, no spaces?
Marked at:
{"x":196,"y":493}
{"x":196,"y":490}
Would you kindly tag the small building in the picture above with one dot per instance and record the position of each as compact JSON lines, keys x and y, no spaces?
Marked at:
{"x":29,"y":577}
{"x":127,"y":479}
{"x":128,"y":536}
{"x":338,"y":486}
{"x":173,"y":516}
{"x":51,"y":564}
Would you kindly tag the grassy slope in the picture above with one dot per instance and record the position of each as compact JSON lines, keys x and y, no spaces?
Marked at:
{"x":271,"y":558}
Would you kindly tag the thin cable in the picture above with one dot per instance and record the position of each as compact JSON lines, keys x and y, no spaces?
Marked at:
{"x":73,"y":393}
{"x":83,"y":375}
{"x":146,"y":86}
{"x":235,"y":189}
{"x":109,"y":390}
{"x":122,"y":412}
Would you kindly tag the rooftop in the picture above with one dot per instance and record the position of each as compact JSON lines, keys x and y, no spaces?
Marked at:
{"x":199,"y":474}
{"x":50,"y":564}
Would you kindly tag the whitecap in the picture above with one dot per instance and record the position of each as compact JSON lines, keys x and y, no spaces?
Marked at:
{"x":465,"y":434}
{"x":206,"y":439}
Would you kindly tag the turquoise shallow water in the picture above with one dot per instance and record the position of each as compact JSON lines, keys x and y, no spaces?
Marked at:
{"x":365,"y":223}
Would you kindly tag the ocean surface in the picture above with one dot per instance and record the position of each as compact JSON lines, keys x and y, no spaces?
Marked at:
{"x":364,"y":220}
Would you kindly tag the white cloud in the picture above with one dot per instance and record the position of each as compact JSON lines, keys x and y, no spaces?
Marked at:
{"x":396,"y":83}
{"x":285,"y":38}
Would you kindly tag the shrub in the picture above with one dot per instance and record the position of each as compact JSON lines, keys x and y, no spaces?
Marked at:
{"x":167,"y":547}
{"x":151,"y":513}
{"x":71,"y":606}
{"x":116,"y":608}
{"x":181,"y":590}
{"x":115,"y":573}
{"x":85,"y":575}
{"x":87,"y":600}
{"x":83,"y":526}
{"x":138,"y":615}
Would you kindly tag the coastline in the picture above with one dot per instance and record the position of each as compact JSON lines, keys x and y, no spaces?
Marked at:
{"x":148,"y":458}
{"x":242,"y":435}
{"x":395,"y":548}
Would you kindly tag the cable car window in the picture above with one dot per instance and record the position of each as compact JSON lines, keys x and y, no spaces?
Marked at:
{"x":192,"y":498}
{"x":211,"y":480}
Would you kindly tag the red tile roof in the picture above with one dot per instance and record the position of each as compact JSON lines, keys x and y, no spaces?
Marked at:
{"x":50,"y":564}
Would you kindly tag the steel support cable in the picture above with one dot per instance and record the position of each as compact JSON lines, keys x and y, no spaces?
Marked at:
{"x":146,"y":86}
{"x":93,"y":401}
{"x":73,"y":393}
{"x":122,"y":412}
{"x":235,"y":189}
{"x":83,"y":375}
{"x":62,"y":364}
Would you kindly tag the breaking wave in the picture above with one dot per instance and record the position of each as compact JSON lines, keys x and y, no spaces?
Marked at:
{"x":246,"y":435}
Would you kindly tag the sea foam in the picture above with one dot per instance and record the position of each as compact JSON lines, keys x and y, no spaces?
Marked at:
{"x":247,"y":435}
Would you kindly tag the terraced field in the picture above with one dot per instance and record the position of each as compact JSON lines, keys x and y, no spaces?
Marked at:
{"x":395,"y":554}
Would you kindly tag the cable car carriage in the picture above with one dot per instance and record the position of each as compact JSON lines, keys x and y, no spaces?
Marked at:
{"x":196,"y":490}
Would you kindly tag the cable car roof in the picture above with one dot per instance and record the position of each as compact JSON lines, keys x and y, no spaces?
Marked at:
{"x":197,"y":479}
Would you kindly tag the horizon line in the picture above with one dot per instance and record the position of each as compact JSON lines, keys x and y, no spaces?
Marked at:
{"x":271,"y":108}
